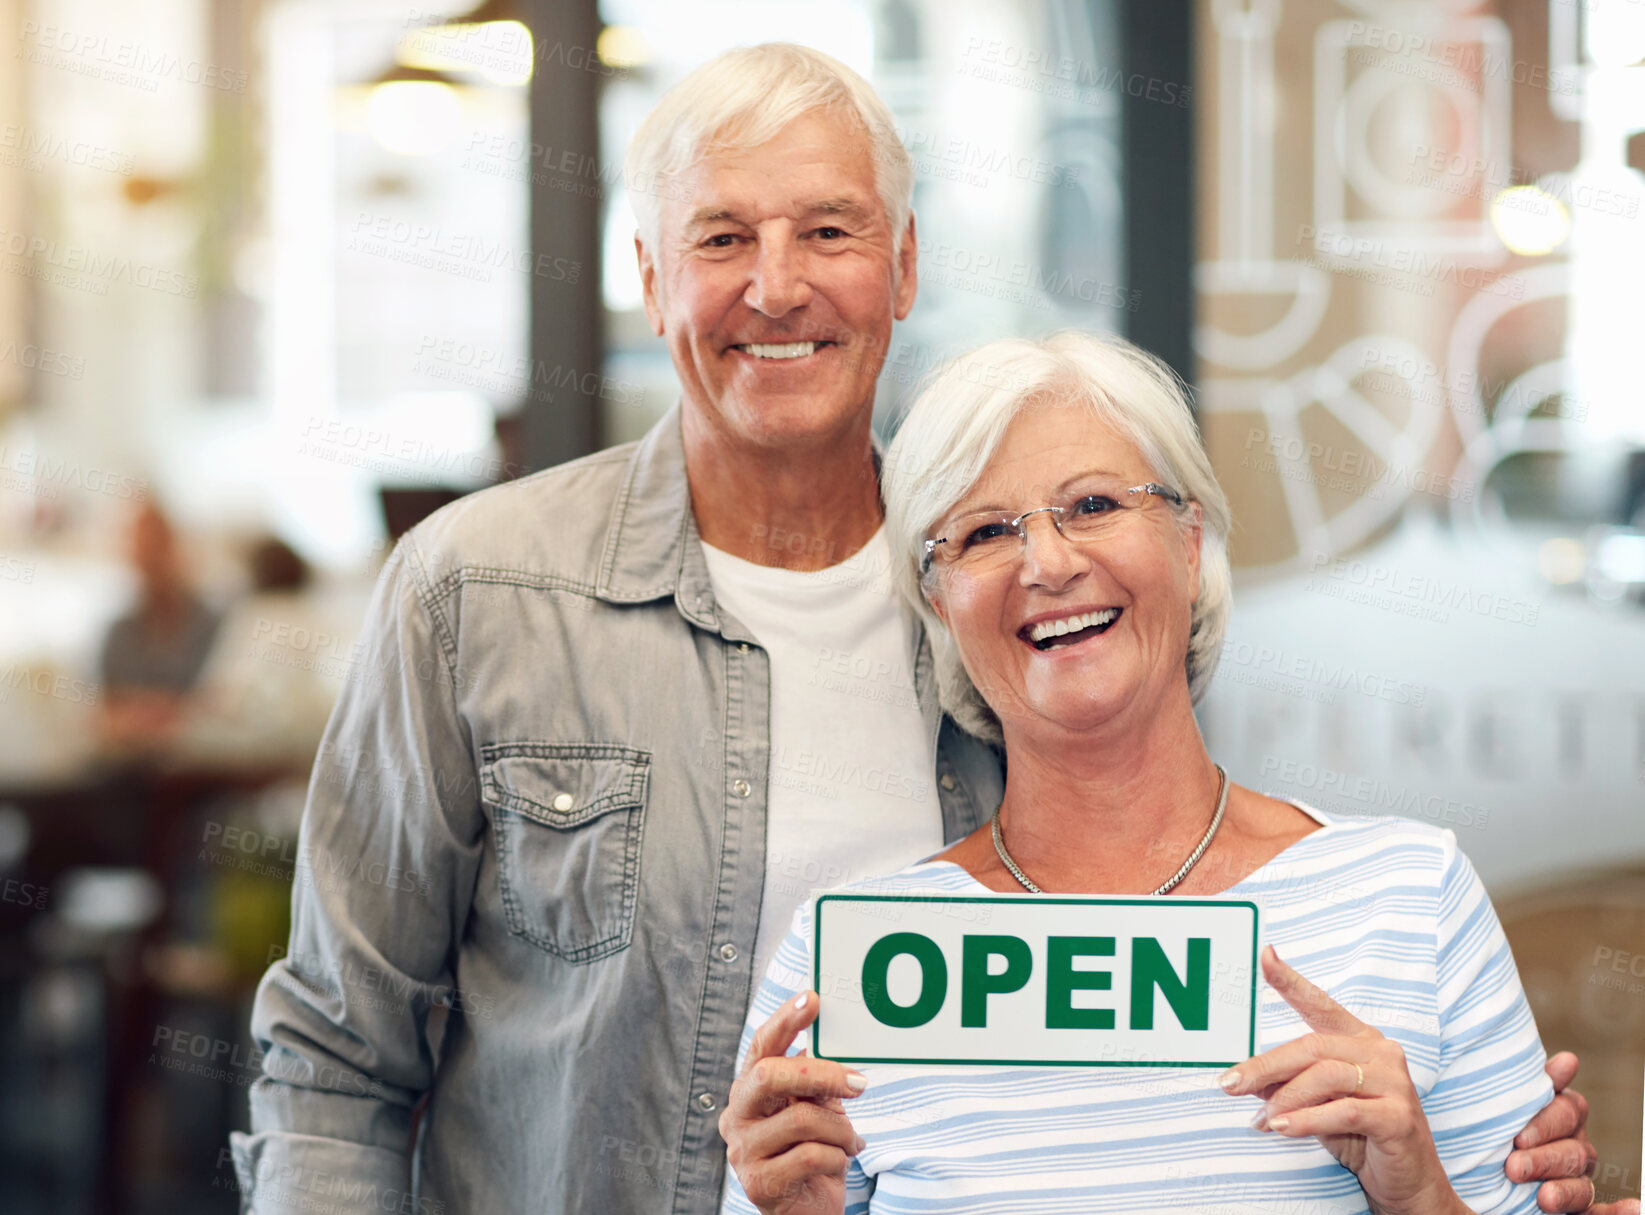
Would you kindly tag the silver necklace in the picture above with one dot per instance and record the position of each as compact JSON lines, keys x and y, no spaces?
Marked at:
{"x":1193,"y":857}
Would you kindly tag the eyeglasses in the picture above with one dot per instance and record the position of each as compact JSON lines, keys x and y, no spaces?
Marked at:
{"x":985,"y":539}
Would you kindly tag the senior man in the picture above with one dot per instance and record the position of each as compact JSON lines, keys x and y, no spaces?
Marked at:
{"x":628,"y":733}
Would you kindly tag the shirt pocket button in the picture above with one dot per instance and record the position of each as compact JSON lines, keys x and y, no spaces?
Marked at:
{"x":568,"y":820}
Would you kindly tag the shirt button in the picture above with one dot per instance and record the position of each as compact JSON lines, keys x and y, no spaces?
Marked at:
{"x":947,"y":782}
{"x":741,"y":787}
{"x":707,"y":1102}
{"x":728,"y":951}
{"x":743,"y":648}
{"x":563,"y":802}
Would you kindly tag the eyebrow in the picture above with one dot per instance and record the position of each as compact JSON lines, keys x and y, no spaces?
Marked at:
{"x":710,"y":215}
{"x":841,"y":205}
{"x":838,"y":206}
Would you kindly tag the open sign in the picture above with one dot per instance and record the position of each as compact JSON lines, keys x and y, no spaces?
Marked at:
{"x":1037,"y":980}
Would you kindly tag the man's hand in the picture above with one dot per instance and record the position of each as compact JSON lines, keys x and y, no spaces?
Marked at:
{"x":1554,"y":1149}
{"x":785,"y":1128}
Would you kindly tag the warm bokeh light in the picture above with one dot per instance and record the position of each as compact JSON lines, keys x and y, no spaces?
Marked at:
{"x":622,"y":46}
{"x":1530,"y":221}
{"x":499,"y":51}
{"x":1615,"y":32}
{"x":413,"y":117}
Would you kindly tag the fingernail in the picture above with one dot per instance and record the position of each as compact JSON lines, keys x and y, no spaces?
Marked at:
{"x":1529,"y":1137}
{"x":1260,"y":1122}
{"x":1229,"y":1080}
{"x":856,"y":1081}
{"x":859,"y":1145}
{"x":799,"y":1003}
{"x":1280,"y":1123}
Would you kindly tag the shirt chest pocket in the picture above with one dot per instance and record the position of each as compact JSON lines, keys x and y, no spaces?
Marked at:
{"x":568,"y":819}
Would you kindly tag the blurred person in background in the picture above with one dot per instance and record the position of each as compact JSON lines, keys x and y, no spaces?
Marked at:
{"x":153,"y":655}
{"x":275,"y":668}
{"x":569,"y":797}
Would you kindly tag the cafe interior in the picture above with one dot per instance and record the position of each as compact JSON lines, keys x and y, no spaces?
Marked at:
{"x":278,"y":278}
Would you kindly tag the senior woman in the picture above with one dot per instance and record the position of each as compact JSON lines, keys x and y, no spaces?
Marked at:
{"x":1065,"y":539}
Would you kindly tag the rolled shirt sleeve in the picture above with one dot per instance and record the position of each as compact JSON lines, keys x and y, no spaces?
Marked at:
{"x":387,"y":859}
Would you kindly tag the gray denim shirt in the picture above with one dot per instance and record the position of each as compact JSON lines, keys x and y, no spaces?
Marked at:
{"x":530,"y":869}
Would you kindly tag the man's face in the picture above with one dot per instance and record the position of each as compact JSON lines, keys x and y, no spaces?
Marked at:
{"x":775,"y":284}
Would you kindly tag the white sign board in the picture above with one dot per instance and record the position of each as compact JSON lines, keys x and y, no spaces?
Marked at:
{"x":1035,"y":980}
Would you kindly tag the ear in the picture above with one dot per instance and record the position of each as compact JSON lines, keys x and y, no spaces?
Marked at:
{"x":934,"y":598}
{"x":908,"y":275}
{"x":648,"y":285}
{"x":1192,"y":533}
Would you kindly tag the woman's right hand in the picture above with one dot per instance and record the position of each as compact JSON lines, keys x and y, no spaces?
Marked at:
{"x":785,"y":1127}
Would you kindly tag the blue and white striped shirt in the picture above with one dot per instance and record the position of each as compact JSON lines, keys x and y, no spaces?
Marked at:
{"x":1386,"y":915}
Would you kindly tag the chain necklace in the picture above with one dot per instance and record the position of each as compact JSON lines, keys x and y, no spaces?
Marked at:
{"x":1193,"y":857}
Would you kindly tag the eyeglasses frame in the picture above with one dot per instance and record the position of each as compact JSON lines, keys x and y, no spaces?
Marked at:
{"x":1152,"y":488}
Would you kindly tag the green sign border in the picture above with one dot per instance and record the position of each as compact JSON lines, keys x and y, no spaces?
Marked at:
{"x":816,"y":973}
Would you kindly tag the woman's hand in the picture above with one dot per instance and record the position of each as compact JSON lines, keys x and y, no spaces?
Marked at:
{"x":785,"y":1127}
{"x":1347,"y":1086}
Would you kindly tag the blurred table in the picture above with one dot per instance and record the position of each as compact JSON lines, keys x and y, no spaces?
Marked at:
{"x":142,"y":819}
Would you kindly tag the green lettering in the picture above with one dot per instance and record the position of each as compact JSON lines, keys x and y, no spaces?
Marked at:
{"x":977,"y":984}
{"x":1190,"y":1000}
{"x":933,"y":980}
{"x":1062,"y":981}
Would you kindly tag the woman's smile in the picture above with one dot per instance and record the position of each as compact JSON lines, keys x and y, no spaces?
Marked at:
{"x":1062,"y":630}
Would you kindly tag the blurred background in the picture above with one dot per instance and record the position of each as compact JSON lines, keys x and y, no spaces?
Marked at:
{"x":278,"y":277}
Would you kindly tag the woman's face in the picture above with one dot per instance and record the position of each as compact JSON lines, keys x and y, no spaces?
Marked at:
{"x":1144,"y":567}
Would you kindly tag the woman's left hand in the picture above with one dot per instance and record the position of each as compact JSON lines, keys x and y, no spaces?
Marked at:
{"x":1347,"y":1086}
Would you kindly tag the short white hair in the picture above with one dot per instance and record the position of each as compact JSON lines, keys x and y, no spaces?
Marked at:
{"x":957,"y":423}
{"x":749,"y":96}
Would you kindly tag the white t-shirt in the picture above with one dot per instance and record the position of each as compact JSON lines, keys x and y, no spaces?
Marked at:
{"x":851,"y":792}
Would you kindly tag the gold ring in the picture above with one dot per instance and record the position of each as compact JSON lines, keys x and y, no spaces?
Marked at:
{"x":1359,"y":1083}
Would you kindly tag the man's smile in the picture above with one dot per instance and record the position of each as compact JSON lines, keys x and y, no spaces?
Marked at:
{"x":781,"y":350}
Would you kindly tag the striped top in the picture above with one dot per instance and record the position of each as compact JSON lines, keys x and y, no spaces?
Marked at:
{"x":1386,"y":915}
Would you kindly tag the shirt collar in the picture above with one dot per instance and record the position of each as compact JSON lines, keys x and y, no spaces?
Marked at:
{"x":652,"y":546}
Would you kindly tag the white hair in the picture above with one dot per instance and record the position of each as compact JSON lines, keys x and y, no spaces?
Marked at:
{"x":747,"y":97}
{"x":958,"y":421}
